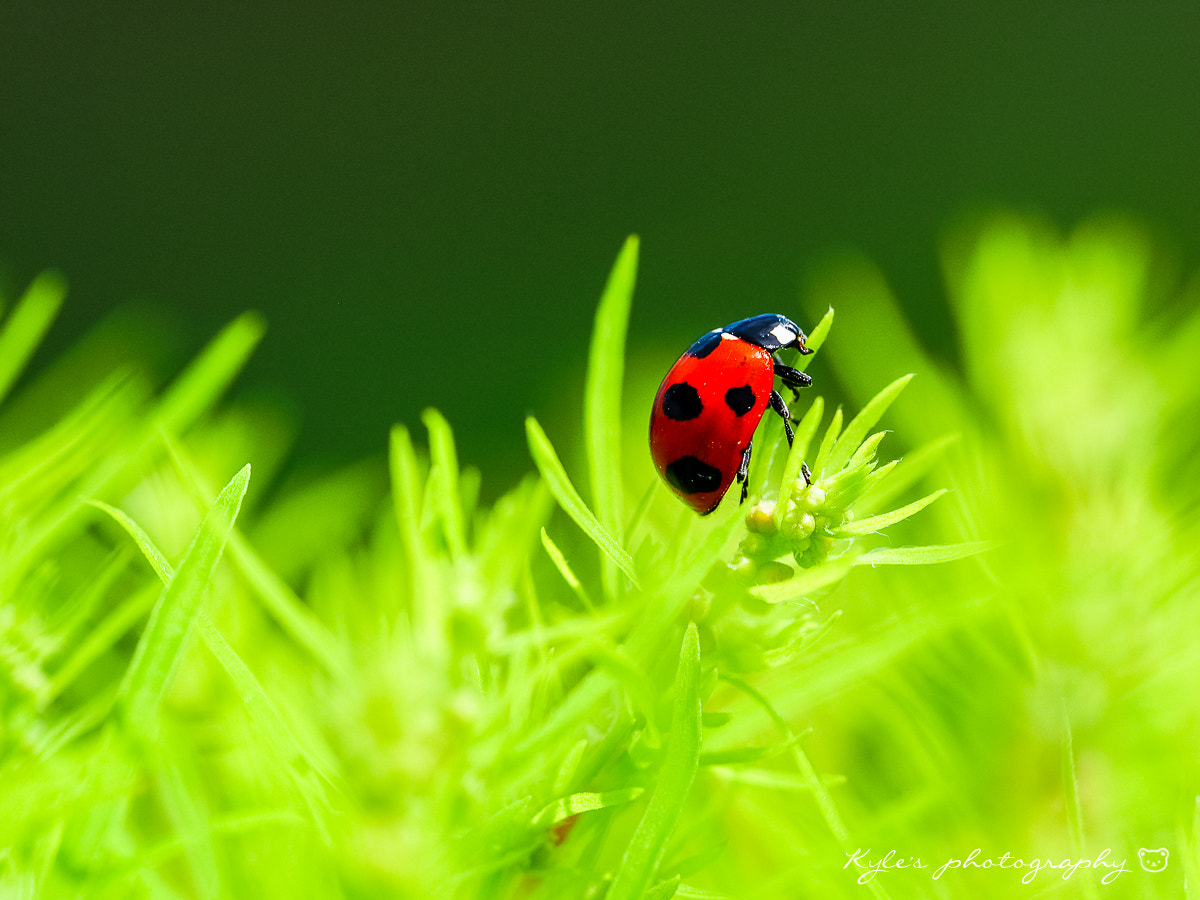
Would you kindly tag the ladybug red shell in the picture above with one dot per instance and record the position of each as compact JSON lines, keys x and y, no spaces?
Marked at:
{"x":712,"y":400}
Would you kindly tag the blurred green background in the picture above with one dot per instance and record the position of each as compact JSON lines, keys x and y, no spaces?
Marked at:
{"x":424,"y":199}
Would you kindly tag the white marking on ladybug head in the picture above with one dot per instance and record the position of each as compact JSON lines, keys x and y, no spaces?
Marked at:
{"x":783,"y":334}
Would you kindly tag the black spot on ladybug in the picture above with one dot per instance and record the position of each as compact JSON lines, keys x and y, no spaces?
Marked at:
{"x":705,"y":345}
{"x":681,"y":402}
{"x":693,"y":476}
{"x":740,"y":399}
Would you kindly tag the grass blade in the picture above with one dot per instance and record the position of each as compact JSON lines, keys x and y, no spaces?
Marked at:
{"x":97,"y":640}
{"x":675,"y":779}
{"x":259,"y":705}
{"x":444,"y":481}
{"x":564,"y":569}
{"x":585,"y":801}
{"x":154,"y":556}
{"x":602,"y":395}
{"x":407,"y":495}
{"x":556,"y":477}
{"x":861,"y":424}
{"x":1074,"y":807}
{"x":825,"y":450}
{"x":922,"y":556}
{"x":803,"y":583}
{"x":158,"y":652}
{"x":908,"y":471}
{"x":816,"y":338}
{"x":210,"y":373}
{"x":292,"y":613}
{"x":805,"y":432}
{"x":27,"y":324}
{"x":883,"y":520}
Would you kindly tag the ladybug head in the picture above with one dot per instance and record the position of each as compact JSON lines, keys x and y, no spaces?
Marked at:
{"x":771,"y":332}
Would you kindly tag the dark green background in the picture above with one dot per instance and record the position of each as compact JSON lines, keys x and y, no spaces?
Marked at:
{"x":424,"y":199}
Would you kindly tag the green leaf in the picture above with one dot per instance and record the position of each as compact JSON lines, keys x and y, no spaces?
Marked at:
{"x":906,"y":473}
{"x":568,"y":498}
{"x":564,"y":569}
{"x":408,"y":494}
{"x":259,"y":705}
{"x":584,"y":801}
{"x":664,"y":890}
{"x":866,"y":451}
{"x":816,"y":339}
{"x":602,"y":395}
{"x":922,"y":556}
{"x":772,"y":779}
{"x":681,"y":757}
{"x":292,"y":613}
{"x":861,"y":424}
{"x":735,"y":756}
{"x":158,"y":652}
{"x":98,"y":639}
{"x":803,"y":583}
{"x":210,"y":373}
{"x":25,"y":327}
{"x":871,"y":524}
{"x":828,"y":442}
{"x":443,"y":481}
{"x":180,"y":795}
{"x":805,"y":432}
{"x":569,"y":766}
{"x":1074,"y":807}
{"x":149,"y":549}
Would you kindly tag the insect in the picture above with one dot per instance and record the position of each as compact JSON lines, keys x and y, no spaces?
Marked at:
{"x":711,"y":401}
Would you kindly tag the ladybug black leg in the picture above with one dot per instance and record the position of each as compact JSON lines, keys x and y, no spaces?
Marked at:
{"x":743,"y":472}
{"x":779,"y":364}
{"x":792,"y":378}
{"x":780,"y":407}
{"x":806,"y":472}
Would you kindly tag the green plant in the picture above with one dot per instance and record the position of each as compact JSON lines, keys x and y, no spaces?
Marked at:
{"x":352,"y":692}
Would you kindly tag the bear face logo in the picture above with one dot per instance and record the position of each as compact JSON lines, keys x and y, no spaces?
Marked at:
{"x":1153,"y":860}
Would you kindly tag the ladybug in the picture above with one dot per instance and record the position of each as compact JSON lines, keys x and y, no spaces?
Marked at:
{"x":711,"y":401}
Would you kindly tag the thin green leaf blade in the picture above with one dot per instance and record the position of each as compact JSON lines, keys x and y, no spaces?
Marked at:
{"x":907,"y":472}
{"x":816,"y":338}
{"x":664,"y":890}
{"x":805,"y":432}
{"x":444,"y":480}
{"x":681,"y":759}
{"x":922,"y":556}
{"x":568,"y":498}
{"x":861,"y":424}
{"x":25,"y":327}
{"x":210,"y":373}
{"x":871,"y":524}
{"x":825,"y":450}
{"x":158,"y":561}
{"x":803,"y":583}
{"x":564,"y":569}
{"x":158,"y":652}
{"x":584,"y":801}
{"x":407,"y":493}
{"x":259,"y":705}
{"x":278,"y":598}
{"x":602,"y":393}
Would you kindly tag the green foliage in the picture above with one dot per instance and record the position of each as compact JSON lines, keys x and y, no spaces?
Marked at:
{"x":342,"y":693}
